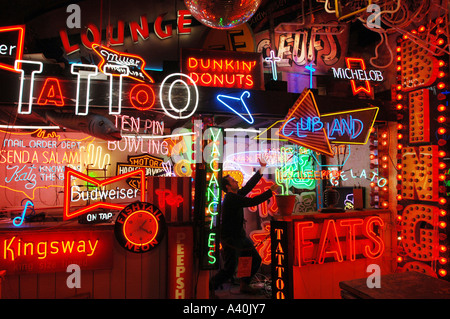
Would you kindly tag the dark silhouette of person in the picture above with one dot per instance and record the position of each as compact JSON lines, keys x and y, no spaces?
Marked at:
{"x":235,"y":242}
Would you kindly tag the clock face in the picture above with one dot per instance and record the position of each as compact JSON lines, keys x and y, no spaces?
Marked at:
{"x":140,"y":227}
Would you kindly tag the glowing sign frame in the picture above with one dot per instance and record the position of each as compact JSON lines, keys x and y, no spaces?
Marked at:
{"x":19,"y":48}
{"x":69,"y":172}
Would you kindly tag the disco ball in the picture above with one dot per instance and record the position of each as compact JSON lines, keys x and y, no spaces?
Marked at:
{"x":222,"y":14}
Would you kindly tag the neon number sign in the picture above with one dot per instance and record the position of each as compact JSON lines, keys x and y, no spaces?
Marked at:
{"x":213,"y":192}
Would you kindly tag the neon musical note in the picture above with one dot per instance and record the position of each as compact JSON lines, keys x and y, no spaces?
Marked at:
{"x":19,"y":219}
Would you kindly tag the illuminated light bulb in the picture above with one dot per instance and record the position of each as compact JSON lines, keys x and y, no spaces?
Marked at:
{"x":384,"y":143}
{"x":405,"y":37}
{"x":441,"y":74}
{"x":421,"y":28}
{"x":399,"y":97}
{"x":399,"y":68}
{"x":372,"y":184}
{"x":441,"y":177}
{"x":399,"y":177}
{"x":441,"y":154}
{"x":441,"y":85}
{"x":442,"y":225}
{"x":399,"y":106}
{"x":442,"y":212}
{"x":399,"y":146}
{"x":399,"y":197}
{"x":384,"y":158}
{"x":399,"y":218}
{"x":442,"y":165}
{"x":441,"y":63}
{"x":442,"y":248}
{"x":442,"y":272}
{"x":399,"y":58}
{"x":440,"y":41}
{"x":441,"y":108}
{"x":372,"y":157}
{"x":442,"y":201}
{"x":439,"y":20}
{"x":442,"y":260}
{"x":399,"y":259}
{"x":441,"y":119}
{"x":385,"y":204}
{"x":385,"y":189}
{"x":399,"y":136}
{"x":399,"y":166}
{"x":384,"y":135}
{"x":399,"y":126}
{"x":398,"y":49}
{"x":442,"y":130}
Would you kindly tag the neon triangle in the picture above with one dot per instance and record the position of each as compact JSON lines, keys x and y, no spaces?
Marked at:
{"x":305,"y":107}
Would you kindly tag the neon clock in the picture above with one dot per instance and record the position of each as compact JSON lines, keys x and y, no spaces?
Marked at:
{"x":140,"y":227}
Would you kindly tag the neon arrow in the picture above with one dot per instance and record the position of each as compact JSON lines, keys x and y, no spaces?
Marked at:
{"x":249,"y":120}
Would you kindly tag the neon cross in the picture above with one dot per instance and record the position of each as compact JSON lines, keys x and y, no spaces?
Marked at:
{"x":311,"y":71}
{"x":272,"y":59}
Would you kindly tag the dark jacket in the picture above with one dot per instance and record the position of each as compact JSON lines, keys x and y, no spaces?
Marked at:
{"x":233,"y":207}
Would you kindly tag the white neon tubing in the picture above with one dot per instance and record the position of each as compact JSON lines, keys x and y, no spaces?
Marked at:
{"x":88,"y":83}
{"x":22,"y":79}
{"x":111,"y":82}
{"x":170,"y":94}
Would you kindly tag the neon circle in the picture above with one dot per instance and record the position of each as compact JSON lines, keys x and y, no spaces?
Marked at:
{"x":154,"y":230}
{"x":142,"y":97}
{"x":178,"y":111}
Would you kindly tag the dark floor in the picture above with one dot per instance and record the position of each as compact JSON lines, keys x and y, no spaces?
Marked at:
{"x":231,"y":290}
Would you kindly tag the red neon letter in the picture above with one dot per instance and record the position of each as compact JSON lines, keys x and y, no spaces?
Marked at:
{"x":351,"y":239}
{"x":329,"y":245}
{"x":51,"y":93}
{"x":378,"y":248}
{"x":120,"y":34}
{"x":141,"y":29}
{"x":157,"y":27}
{"x":92,"y":28}
{"x":303,"y":244}
{"x":142,"y":97}
{"x":182,"y":22}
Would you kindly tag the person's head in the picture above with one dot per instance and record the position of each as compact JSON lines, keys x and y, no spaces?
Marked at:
{"x":229,"y":184}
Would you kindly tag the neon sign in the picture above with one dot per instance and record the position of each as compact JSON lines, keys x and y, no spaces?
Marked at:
{"x":273,"y":59}
{"x":281,"y":255}
{"x":241,"y":70}
{"x":363,"y":237}
{"x":240,"y":103}
{"x":356,"y":71}
{"x":141,"y":97}
{"x":40,"y":252}
{"x":137,"y":29}
{"x":13,"y":51}
{"x":140,"y":227}
{"x":69,"y":173}
{"x":213,"y":193}
{"x":315,"y":136}
{"x":17,"y":221}
{"x":121,"y":64}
